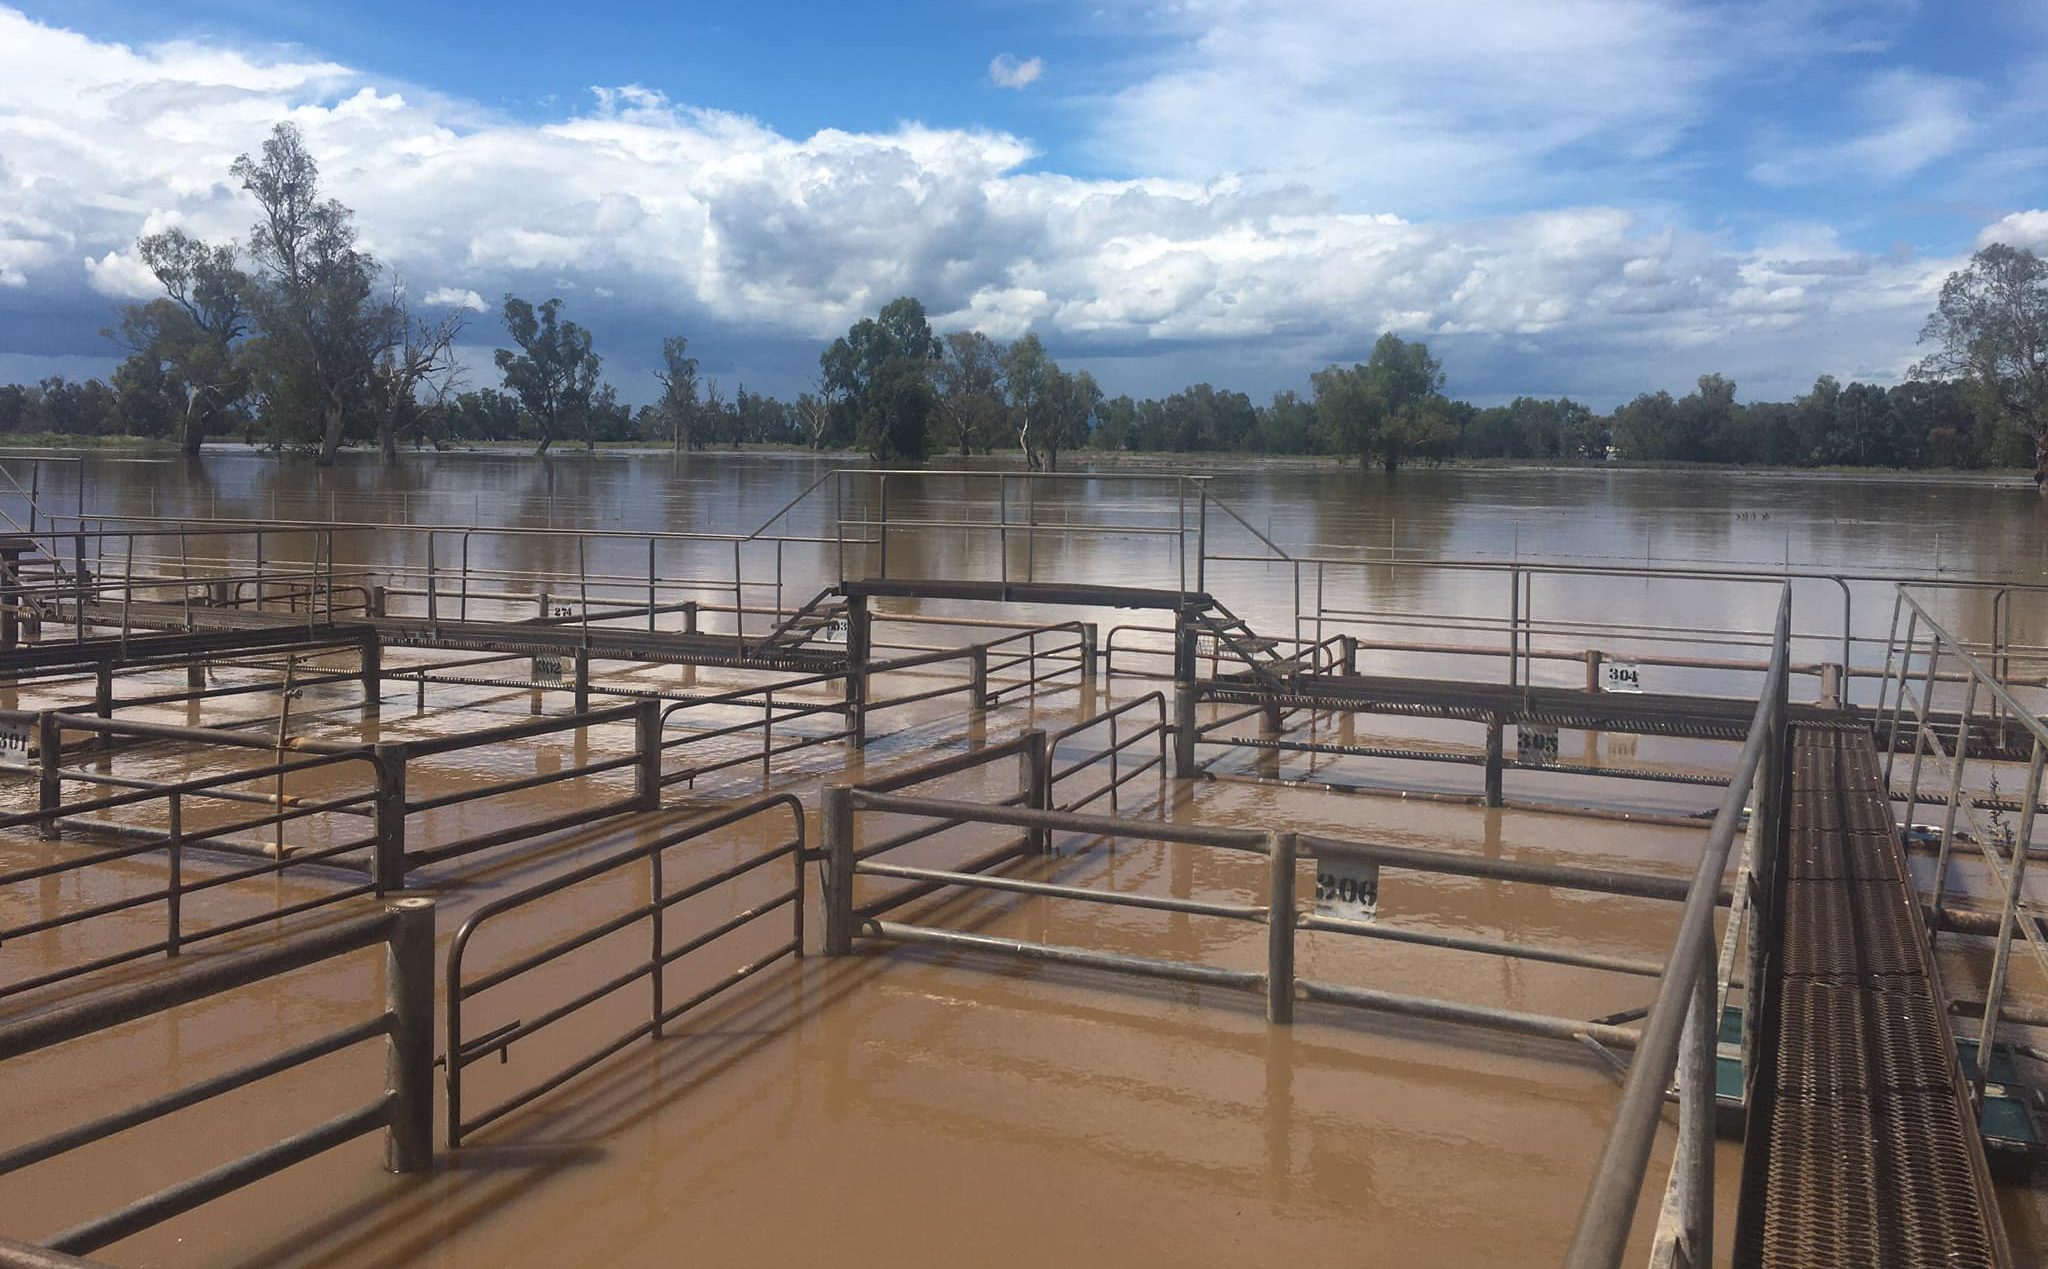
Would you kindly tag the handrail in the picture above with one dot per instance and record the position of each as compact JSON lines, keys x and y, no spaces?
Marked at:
{"x":1609,"y":1207}
{"x":461,"y":1054}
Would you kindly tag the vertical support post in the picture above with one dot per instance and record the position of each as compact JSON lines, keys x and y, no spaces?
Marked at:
{"x":81,"y":578}
{"x":582,"y":659}
{"x":377,"y":603}
{"x":372,"y":654}
{"x":1831,"y":679}
{"x":647,"y":740}
{"x":1280,"y":848}
{"x":1202,"y":539}
{"x":49,"y":761}
{"x":689,"y":616}
{"x":978,"y":682}
{"x":1494,"y":760}
{"x":1920,"y":726}
{"x":1955,"y":798}
{"x":174,"y":895}
{"x":433,"y":612}
{"x":835,"y":816}
{"x":767,"y":736}
{"x":1514,"y":625}
{"x":1037,"y":789}
{"x":857,"y":635}
{"x":656,"y":940}
{"x":1594,"y":658}
{"x":1088,"y":643}
{"x":1994,"y":995}
{"x":1347,"y":646}
{"x":409,"y":1053}
{"x":651,"y":603}
{"x":195,"y":676}
{"x":389,"y":812}
{"x":103,"y":688}
{"x":882,"y":525}
{"x":1685,"y":1227}
{"x":10,"y":596}
{"x":1184,"y":732}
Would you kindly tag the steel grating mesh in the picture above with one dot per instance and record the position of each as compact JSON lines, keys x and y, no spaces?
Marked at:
{"x":1868,"y":1154}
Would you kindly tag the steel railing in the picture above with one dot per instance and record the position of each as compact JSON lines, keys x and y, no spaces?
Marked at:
{"x":465,"y":1051}
{"x":403,"y":1109}
{"x":1680,"y":1033}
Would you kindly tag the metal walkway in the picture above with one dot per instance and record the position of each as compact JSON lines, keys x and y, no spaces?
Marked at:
{"x":1861,"y":1150}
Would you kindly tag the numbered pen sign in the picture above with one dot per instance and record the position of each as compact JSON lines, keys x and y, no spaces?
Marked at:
{"x":1536,"y":746}
{"x":1348,"y":889}
{"x":833,"y":631}
{"x":547,"y":669}
{"x":14,"y":738}
{"x":1624,"y":676}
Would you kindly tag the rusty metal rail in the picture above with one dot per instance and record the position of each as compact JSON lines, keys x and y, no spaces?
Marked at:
{"x":403,"y":1108}
{"x":465,"y":1051}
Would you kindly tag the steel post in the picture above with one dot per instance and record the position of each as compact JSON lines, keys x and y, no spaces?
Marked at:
{"x":835,"y":815}
{"x":1494,"y":761}
{"x":1037,"y":789}
{"x":1994,"y":995}
{"x":409,"y":1053}
{"x":49,"y":764}
{"x":1280,"y":851}
{"x":647,"y":747}
{"x":389,"y":813}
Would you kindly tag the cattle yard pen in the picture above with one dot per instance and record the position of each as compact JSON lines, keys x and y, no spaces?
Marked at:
{"x":661,"y":733}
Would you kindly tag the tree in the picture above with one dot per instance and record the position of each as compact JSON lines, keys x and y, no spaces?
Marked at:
{"x":422,"y":353}
{"x":1029,"y":374}
{"x":1071,"y":402}
{"x":322,"y":330}
{"x":1990,"y":331}
{"x":1389,"y":409}
{"x":678,"y":406}
{"x":880,"y":370}
{"x":182,"y":346}
{"x":554,"y":373}
{"x":969,"y":378}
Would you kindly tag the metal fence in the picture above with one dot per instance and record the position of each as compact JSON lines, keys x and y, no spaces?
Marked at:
{"x":464,"y":1050}
{"x":403,"y":1108}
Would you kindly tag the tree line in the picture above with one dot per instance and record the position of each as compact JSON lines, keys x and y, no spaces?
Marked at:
{"x":301,"y":342}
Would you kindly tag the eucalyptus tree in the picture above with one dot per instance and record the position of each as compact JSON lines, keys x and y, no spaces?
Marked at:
{"x":881,"y":372}
{"x":182,"y":345}
{"x":554,"y":373}
{"x":1990,"y":331}
{"x":678,"y":407}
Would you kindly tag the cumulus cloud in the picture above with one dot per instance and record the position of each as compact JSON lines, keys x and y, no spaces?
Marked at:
{"x":1008,"y":72}
{"x":456,"y":297}
{"x":2027,"y":229}
{"x":649,"y":217}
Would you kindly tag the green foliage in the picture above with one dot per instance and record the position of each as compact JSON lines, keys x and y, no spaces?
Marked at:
{"x":880,"y":372}
{"x":969,"y":379}
{"x":554,"y":373}
{"x":315,"y":363}
{"x":1389,"y":410}
{"x":1990,"y":333}
{"x":677,"y":410}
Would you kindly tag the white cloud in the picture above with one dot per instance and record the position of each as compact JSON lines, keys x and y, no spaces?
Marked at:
{"x":1008,"y":72}
{"x":457,"y":297}
{"x":2027,"y":229}
{"x":1911,"y":120}
{"x":648,"y":217}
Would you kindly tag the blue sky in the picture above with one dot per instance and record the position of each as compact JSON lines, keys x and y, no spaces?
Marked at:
{"x":1592,"y":196}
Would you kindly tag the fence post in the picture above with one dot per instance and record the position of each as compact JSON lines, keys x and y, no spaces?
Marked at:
{"x":373,"y":668}
{"x":1593,"y":659}
{"x":979,"y":680}
{"x":582,"y":681}
{"x":389,"y":811}
{"x":1088,"y":640}
{"x":647,"y":741}
{"x":1348,"y":649}
{"x":174,"y":898}
{"x":689,"y":616}
{"x":49,"y":761}
{"x":1494,"y":760}
{"x":857,"y":669}
{"x":835,"y":814}
{"x":1831,"y":685}
{"x":377,"y":602}
{"x":409,"y":1052}
{"x":1184,"y":731}
{"x":1280,"y":849}
{"x":1038,"y":789}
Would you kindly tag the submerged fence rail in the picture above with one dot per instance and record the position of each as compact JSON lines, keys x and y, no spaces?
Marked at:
{"x":403,"y":1109}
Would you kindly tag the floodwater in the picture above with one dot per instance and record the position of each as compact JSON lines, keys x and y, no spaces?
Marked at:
{"x":912,"y":1105}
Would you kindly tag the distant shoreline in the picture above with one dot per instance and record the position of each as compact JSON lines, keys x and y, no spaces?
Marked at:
{"x":1079,"y":460}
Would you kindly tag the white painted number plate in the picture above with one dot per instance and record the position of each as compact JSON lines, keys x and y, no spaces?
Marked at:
{"x":1535,"y":746}
{"x":14,"y":738}
{"x":1624,"y":676}
{"x":1348,"y":889}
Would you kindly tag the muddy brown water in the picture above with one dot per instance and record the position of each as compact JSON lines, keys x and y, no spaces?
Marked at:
{"x":917,"y":1106}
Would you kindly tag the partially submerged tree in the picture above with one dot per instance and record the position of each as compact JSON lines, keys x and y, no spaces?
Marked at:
{"x":678,"y":406}
{"x":182,"y":347}
{"x":323,"y":330}
{"x":422,"y":356}
{"x":1990,"y":332}
{"x":1028,"y":372}
{"x":969,"y":378}
{"x":554,"y":373}
{"x":881,"y":371}
{"x":1391,"y":408}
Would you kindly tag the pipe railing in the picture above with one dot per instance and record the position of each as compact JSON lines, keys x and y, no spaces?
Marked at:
{"x":403,"y":1108}
{"x":1110,"y":753}
{"x":1680,"y":1032}
{"x":464,"y":1051}
{"x":2005,"y":853}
